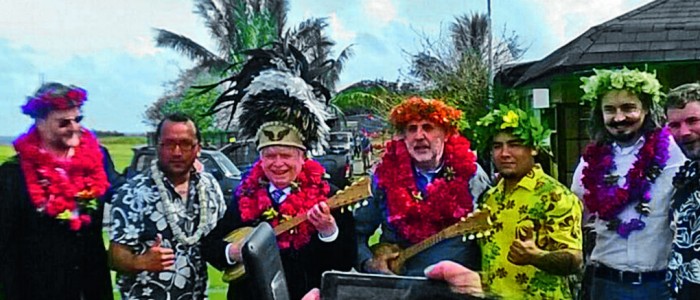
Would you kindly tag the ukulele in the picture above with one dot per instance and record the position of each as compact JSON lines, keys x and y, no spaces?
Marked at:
{"x":359,"y":190}
{"x":477,"y":222}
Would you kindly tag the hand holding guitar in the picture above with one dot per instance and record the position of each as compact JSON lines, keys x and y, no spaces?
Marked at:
{"x":380,"y":262}
{"x":320,"y":216}
{"x":157,"y":258}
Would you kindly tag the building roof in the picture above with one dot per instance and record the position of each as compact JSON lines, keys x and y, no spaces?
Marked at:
{"x":661,"y":31}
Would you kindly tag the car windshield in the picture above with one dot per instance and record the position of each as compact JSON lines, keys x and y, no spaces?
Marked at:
{"x":229,"y":168}
{"x":341,"y":138}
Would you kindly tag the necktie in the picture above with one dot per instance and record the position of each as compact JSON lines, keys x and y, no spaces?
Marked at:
{"x":276,"y":195}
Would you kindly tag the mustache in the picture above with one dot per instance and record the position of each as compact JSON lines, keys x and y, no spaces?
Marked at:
{"x":619,"y":124}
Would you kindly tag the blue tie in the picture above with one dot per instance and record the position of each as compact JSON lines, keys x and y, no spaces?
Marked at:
{"x":276,"y":195}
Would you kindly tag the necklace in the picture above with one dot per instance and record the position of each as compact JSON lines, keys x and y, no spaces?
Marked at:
{"x":603,"y":194}
{"x":170,"y":210}
{"x":64,"y":189}
{"x":417,"y":216}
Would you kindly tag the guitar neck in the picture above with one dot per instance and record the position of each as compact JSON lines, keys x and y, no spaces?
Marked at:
{"x":289,"y":224}
{"x":425,"y":244}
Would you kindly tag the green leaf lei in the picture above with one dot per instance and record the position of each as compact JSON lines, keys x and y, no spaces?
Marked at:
{"x":509,"y":117}
{"x":638,"y":82}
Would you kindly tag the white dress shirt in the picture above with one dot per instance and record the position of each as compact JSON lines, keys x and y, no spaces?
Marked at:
{"x":647,"y":249}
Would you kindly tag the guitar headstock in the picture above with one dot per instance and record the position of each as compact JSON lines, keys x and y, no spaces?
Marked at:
{"x":476,"y":224}
{"x":356,"y":192}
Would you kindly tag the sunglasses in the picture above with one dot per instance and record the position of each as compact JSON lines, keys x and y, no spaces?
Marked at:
{"x":184,"y":146}
{"x":63,"y":123}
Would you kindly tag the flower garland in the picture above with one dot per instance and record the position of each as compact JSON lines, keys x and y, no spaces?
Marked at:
{"x":308,"y":189}
{"x":54,"y":100}
{"x":171,"y":211}
{"x":521,"y":124}
{"x":416,"y":108}
{"x":415,"y":216}
{"x":635,"y":81}
{"x":603,"y":195}
{"x":63,"y":189}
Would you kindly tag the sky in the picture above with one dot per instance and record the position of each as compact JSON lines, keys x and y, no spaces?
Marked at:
{"x":107,"y":46}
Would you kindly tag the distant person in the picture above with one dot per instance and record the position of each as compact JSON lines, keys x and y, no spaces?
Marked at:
{"x":160,"y":216}
{"x":357,"y":145}
{"x":366,"y":145}
{"x":51,"y":243}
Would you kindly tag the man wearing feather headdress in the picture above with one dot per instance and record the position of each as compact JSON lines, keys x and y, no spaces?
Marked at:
{"x":427,"y":180}
{"x":275,"y":99}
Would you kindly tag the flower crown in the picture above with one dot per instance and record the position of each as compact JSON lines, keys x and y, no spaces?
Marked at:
{"x":509,"y":117}
{"x":638,"y":82}
{"x":54,"y":99}
{"x":416,"y":109}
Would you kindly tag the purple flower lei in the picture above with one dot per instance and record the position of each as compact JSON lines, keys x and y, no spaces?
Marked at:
{"x":603,"y":195}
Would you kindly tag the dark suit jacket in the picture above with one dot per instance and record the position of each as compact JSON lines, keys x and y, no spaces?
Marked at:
{"x":302,"y":268}
{"x":41,"y":258}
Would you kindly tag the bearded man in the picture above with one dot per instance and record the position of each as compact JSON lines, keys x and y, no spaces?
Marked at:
{"x":683,"y":114}
{"x":625,"y":181}
{"x":426,"y":181}
{"x":50,"y":217}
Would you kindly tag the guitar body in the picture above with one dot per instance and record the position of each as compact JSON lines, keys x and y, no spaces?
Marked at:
{"x":236,"y":237}
{"x":352,"y":194}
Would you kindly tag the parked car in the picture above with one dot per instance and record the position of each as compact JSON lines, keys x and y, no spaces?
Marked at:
{"x":215,"y":162}
{"x":340,"y":142}
{"x":338,"y":165}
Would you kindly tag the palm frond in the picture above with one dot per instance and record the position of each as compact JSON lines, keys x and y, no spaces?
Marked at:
{"x":189,"y":48}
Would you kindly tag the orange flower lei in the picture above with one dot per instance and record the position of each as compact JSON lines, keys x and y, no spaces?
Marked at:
{"x":416,"y":109}
{"x":415,"y":216}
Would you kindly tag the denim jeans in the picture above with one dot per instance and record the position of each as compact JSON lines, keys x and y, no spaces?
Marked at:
{"x":611,"y":290}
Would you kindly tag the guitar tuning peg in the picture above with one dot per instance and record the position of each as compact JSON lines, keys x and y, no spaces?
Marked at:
{"x":487,"y":233}
{"x":471,"y":237}
{"x":340,"y":192}
{"x":365,"y":203}
{"x":479,"y":235}
{"x":464,"y":238}
{"x":342,"y":210}
{"x":470,"y":215}
{"x":463,"y":219}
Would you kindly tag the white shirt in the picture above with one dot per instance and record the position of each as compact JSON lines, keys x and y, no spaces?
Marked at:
{"x":647,"y":249}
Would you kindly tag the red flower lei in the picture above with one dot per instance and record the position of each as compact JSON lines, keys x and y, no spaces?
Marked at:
{"x":61,"y":188}
{"x":605,"y":197}
{"x":308,"y":189}
{"x":415,"y":216}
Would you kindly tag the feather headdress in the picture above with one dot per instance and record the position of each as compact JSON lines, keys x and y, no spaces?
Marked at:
{"x":276,"y":98}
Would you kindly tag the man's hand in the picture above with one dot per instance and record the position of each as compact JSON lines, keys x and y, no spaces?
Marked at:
{"x":156,"y":258}
{"x":524,"y":251}
{"x":380,"y":263}
{"x":234,"y":252}
{"x":320,"y":216}
{"x":313,"y":294}
{"x":460,"y":278}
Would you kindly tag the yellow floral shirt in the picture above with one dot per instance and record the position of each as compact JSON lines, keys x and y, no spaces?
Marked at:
{"x":541,"y":203}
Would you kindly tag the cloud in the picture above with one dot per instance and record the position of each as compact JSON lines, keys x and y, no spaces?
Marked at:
{"x":142,"y":46}
{"x":567,"y":19}
{"x":339,"y":32}
{"x":381,"y":11}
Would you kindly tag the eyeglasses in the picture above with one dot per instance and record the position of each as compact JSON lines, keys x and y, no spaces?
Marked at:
{"x":63,"y":123}
{"x":184,"y":146}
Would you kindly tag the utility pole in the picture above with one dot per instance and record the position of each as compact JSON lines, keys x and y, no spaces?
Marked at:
{"x":490,"y":28}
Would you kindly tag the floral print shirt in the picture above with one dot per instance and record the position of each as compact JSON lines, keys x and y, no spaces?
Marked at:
{"x":138,"y":215}
{"x":684,"y":265}
{"x":552,"y":212}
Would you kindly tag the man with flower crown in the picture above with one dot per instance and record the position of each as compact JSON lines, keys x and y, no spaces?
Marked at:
{"x":50,"y":217}
{"x":427,"y":180}
{"x":277,"y":100}
{"x":159,"y":218}
{"x":625,"y":180}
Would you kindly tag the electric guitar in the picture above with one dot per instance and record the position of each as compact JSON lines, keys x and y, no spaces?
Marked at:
{"x":358,"y":191}
{"x":476,"y":224}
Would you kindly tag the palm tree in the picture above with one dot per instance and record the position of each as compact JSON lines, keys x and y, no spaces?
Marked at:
{"x":238,"y":25}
